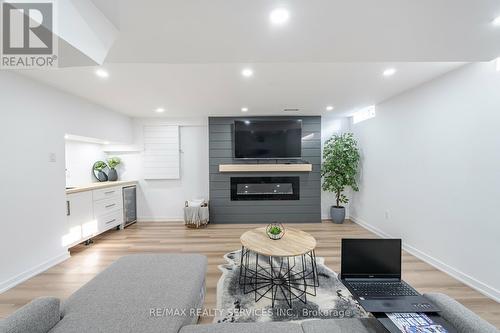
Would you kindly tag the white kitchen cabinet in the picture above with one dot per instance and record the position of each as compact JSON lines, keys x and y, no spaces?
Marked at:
{"x":110,"y":220}
{"x":105,"y":206}
{"x":92,"y":210}
{"x":80,"y":217}
{"x":108,"y":208}
{"x":107,"y":193}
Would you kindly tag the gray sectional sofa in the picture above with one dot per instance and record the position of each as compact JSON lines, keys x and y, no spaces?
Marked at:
{"x":139,"y":293}
{"x":121,"y":298}
{"x":464,"y":320}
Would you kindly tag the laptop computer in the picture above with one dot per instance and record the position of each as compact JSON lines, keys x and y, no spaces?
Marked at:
{"x":371,"y":270}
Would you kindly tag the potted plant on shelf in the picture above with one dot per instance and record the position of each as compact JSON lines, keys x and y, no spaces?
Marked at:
{"x":99,"y":173}
{"x":339,"y":170}
{"x":113,"y":162}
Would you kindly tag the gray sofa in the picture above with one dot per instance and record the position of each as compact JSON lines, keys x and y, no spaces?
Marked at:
{"x":464,"y":320}
{"x":139,"y":293}
{"x":132,"y":295}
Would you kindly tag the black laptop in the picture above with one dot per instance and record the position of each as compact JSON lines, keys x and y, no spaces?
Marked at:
{"x":371,"y":270}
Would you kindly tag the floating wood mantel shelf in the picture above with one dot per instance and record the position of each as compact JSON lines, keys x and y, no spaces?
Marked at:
{"x":265,"y":167}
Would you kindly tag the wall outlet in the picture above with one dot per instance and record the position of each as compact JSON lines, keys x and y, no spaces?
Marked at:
{"x":52,"y":157}
{"x":387,"y":215}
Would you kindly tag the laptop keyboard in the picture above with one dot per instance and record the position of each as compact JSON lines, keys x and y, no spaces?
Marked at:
{"x":374,"y":289}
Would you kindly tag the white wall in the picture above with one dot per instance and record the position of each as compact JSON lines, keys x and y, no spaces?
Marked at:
{"x":431,"y":160}
{"x":80,"y":157}
{"x":330,"y":126}
{"x":34,"y":119}
{"x":163,"y":200}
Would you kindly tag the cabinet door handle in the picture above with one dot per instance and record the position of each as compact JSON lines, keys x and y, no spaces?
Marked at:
{"x":113,"y":220}
{"x":68,"y":208}
{"x":109,"y":206}
{"x":109,"y":192}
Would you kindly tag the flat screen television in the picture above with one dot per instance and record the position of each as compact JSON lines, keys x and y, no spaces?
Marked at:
{"x":268,"y":139}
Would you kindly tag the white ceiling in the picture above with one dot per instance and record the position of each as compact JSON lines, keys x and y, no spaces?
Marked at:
{"x":238,"y":31}
{"x":192,"y":90}
{"x":187,"y":55}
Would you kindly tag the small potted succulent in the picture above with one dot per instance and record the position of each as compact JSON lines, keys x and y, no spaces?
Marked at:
{"x":113,"y":162}
{"x":99,"y":173}
{"x":275,"y":231}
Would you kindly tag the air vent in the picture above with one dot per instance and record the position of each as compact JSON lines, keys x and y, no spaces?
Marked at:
{"x":291,"y":110}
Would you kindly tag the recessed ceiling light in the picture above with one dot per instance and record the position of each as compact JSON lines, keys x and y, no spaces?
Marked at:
{"x":389,"y":72}
{"x":106,"y":142}
{"x":244,"y":109}
{"x":247,"y":72}
{"x":496,"y":22}
{"x":159,"y":110}
{"x":329,"y":108}
{"x":279,"y":16}
{"x":102,"y":73}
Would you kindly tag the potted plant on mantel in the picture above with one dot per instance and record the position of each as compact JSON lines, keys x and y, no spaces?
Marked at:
{"x":339,"y":170}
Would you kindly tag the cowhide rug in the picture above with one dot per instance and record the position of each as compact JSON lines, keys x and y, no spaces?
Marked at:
{"x":332,"y":299}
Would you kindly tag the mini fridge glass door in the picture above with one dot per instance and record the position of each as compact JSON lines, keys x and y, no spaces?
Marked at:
{"x":129,"y":204}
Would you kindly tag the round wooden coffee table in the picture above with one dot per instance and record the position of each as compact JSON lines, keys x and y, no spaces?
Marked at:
{"x":280,"y":270}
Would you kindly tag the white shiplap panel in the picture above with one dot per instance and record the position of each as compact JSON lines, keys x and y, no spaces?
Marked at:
{"x":160,"y":140}
{"x":163,"y":164}
{"x":159,"y":132}
{"x":163,"y":146}
{"x":160,"y":158}
{"x":161,"y":152}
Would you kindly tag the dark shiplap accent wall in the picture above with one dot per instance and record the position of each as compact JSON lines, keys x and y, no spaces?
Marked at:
{"x":223,"y":210}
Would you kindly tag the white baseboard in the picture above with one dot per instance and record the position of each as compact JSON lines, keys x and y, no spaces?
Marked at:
{"x":371,"y":228}
{"x":160,"y":219}
{"x":483,"y":288}
{"x":6,"y":285}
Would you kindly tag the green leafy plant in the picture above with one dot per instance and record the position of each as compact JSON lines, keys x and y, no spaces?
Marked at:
{"x":340,"y":165}
{"x":274,"y":230}
{"x":100,"y":165}
{"x":113,"y":162}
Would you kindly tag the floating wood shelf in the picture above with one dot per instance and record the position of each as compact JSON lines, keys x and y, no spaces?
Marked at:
{"x":265,"y":167}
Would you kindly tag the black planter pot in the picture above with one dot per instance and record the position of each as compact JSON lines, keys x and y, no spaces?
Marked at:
{"x":102,"y":177}
{"x":338,"y":214}
{"x":112,"y":175}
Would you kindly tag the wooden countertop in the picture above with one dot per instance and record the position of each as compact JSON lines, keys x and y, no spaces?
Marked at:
{"x":95,"y":186}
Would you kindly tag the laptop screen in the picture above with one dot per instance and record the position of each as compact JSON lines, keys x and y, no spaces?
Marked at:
{"x":371,"y":258}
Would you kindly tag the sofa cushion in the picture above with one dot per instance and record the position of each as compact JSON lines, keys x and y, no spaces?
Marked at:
{"x":464,"y":320}
{"x":347,"y":325}
{"x":272,"y":327}
{"x":138,"y":293}
{"x":38,"y":316}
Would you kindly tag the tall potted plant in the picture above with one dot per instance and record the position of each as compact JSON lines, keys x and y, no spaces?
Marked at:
{"x":113,"y":162}
{"x":339,"y":170}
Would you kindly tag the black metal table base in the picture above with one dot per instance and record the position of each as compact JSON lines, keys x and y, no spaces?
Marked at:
{"x":279,"y":278}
